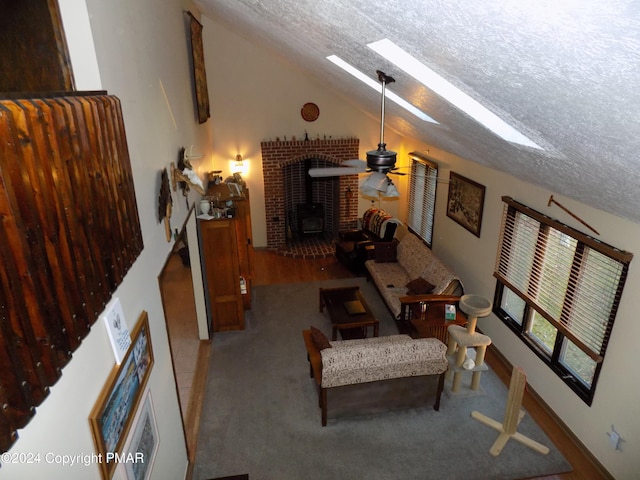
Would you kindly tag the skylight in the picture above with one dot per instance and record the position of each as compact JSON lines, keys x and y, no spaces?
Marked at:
{"x":393,"y":53}
{"x":378,"y":87}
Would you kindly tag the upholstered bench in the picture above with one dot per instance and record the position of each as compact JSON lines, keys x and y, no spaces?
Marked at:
{"x":349,"y":362}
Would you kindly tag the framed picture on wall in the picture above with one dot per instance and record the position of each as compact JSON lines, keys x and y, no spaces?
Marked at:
{"x":199,"y":72}
{"x":140,"y":448}
{"x":113,"y":413}
{"x":235,"y":189}
{"x":465,"y":202}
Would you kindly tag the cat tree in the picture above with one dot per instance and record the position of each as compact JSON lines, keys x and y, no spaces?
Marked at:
{"x":461,"y":338}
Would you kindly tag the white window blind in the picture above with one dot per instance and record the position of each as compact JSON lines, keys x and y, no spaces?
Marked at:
{"x":572,"y":280}
{"x":422,"y":196}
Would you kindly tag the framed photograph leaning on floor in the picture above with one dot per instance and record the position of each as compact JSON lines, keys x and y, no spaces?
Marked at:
{"x":113,"y":413}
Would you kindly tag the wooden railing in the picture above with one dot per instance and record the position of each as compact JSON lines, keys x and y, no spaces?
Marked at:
{"x":69,"y":232}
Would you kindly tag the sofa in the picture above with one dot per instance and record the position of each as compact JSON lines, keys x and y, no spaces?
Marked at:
{"x":350,"y":362}
{"x":406,"y":266}
{"x":354,"y":247}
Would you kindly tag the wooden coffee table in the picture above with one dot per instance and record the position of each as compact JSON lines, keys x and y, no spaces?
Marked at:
{"x":339,"y":302}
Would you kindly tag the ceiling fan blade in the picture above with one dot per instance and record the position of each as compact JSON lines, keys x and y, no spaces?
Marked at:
{"x":349,"y":167}
{"x":334,"y":171}
{"x":356,"y":163}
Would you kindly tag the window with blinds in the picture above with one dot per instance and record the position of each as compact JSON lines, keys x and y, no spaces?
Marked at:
{"x":559,"y":290}
{"x":422,"y":196}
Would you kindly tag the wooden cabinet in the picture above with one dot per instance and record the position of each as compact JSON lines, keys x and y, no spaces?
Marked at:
{"x":227,"y":257}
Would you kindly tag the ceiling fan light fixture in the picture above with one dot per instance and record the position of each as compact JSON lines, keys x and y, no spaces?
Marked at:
{"x":376,"y":181}
{"x":391,"y":191}
{"x":379,"y":185}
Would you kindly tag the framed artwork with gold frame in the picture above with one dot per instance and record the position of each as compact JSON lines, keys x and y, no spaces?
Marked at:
{"x":115,"y":408}
{"x":199,"y":71}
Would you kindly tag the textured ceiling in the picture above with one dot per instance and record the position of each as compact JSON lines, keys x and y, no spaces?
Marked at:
{"x":564,"y":73}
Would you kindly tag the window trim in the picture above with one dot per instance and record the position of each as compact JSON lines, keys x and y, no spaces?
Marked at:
{"x":554,"y":358}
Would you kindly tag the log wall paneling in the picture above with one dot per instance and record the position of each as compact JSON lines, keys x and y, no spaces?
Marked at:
{"x":69,"y":232}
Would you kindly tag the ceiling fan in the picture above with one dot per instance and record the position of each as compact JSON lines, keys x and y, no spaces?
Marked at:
{"x":379,"y":162}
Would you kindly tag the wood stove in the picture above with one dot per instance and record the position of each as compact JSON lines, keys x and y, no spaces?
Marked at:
{"x":310,"y":218}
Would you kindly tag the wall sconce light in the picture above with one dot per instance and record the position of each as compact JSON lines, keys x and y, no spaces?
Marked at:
{"x":239,"y":165}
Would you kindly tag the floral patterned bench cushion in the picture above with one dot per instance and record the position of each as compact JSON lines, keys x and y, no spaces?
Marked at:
{"x":370,"y":361}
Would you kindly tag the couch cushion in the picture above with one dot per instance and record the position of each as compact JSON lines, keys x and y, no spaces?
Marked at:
{"x":412,"y":255}
{"x":386,"y":251}
{"x":419,"y":286}
{"x":419,"y":261}
{"x":320,"y":339}
{"x":391,"y":279}
{"x":388,"y":275}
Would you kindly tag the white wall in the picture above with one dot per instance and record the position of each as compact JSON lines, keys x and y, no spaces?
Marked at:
{"x":137,"y":50}
{"x":257,"y":96}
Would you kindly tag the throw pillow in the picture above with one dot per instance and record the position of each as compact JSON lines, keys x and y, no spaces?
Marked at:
{"x":419,"y":286}
{"x":386,"y":251}
{"x":319,"y":339}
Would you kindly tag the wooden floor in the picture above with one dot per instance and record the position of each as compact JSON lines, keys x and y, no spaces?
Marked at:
{"x":271,"y":268}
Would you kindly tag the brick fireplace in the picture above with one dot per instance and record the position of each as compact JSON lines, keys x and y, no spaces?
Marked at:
{"x":291,"y":195}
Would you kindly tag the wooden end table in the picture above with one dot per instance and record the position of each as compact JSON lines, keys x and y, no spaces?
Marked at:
{"x":431,"y":323}
{"x":350,"y":325}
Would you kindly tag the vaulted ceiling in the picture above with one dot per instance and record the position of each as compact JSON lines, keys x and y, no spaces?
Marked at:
{"x":563,"y":73}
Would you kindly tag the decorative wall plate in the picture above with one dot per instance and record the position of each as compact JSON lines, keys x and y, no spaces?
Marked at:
{"x":310,"y":112}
